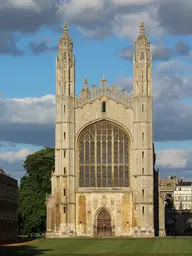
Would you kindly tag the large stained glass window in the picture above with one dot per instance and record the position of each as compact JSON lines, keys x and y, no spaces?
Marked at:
{"x":103,"y":156}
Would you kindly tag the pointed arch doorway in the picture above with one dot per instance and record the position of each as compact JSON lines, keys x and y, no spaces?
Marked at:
{"x":104,"y":223}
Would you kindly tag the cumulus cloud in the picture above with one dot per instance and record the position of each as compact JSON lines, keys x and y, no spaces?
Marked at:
{"x":173,"y":158}
{"x":19,"y":4}
{"x":170,"y":66}
{"x":15,"y":156}
{"x":175,"y":162}
{"x":8,"y":44}
{"x":28,"y":110}
{"x":15,"y":169}
{"x":168,"y":13}
{"x":27,"y":17}
{"x":159,"y":52}
{"x":41,"y":47}
{"x":12,"y":160}
{"x":94,"y":19}
{"x":28,"y":120}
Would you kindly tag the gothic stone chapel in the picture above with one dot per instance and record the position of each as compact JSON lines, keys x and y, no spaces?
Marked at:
{"x":103,"y":182}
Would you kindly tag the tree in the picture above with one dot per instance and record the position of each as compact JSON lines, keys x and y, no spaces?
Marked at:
{"x":34,"y":186}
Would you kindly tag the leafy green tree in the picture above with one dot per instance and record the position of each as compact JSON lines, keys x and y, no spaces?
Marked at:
{"x":34,"y":186}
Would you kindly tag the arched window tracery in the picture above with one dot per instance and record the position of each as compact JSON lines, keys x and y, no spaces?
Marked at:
{"x":103,"y":156}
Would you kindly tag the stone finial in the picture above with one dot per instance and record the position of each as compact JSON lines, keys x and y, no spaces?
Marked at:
{"x":65,"y":27}
{"x":142,"y":40}
{"x":65,"y":40}
{"x":103,"y":78}
{"x":85,"y":82}
{"x":142,"y":29}
{"x":103,"y":83}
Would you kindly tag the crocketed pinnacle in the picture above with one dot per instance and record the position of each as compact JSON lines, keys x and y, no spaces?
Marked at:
{"x":142,"y":29}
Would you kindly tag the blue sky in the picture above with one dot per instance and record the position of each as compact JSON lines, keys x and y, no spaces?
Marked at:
{"x":103,"y":43}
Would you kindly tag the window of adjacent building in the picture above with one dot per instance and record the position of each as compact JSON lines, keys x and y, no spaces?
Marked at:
{"x":64,"y":135}
{"x":64,"y":209}
{"x":142,"y":170}
{"x":142,"y":107}
{"x":64,"y":108}
{"x":64,"y":170}
{"x":142,"y":154}
{"x":142,"y":135}
{"x":64,"y":153}
{"x":103,"y":106}
{"x":143,"y":209}
{"x":64,"y":191}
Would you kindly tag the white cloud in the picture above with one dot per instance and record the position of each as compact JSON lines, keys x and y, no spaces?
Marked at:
{"x":105,"y":17}
{"x":170,"y":66}
{"x":132,"y":2}
{"x":127,"y":25}
{"x":28,"y":110}
{"x":173,"y":158}
{"x":118,"y":17}
{"x":14,"y":156}
{"x":81,"y":11}
{"x":19,"y":4}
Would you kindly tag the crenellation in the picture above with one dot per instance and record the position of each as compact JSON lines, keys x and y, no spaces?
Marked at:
{"x":111,"y":93}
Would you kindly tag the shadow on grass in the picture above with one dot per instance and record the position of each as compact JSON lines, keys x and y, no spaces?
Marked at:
{"x":21,"y":250}
{"x":21,"y":247}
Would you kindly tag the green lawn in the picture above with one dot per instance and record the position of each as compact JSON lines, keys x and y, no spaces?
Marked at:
{"x":104,"y":247}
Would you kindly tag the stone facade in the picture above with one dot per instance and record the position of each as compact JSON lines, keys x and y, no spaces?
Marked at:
{"x":103,"y":183}
{"x":9,"y":207}
{"x":168,"y":186}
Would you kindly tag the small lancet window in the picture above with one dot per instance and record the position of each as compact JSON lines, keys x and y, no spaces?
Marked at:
{"x":103,"y":106}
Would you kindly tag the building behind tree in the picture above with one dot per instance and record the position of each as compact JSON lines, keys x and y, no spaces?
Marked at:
{"x":8,"y":207}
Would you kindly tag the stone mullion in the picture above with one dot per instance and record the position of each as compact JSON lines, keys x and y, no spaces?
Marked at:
{"x":84,"y":162}
{"x":118,"y":159}
{"x":89,"y":162}
{"x":95,"y":156}
{"x":101,"y":156}
{"x":112,"y":156}
{"x":107,"y":165}
{"x":123,"y":162}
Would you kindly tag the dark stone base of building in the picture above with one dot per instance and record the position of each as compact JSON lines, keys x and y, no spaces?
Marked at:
{"x":8,"y":231}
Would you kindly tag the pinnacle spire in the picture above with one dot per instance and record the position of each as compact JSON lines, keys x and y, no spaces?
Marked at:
{"x":103,"y":77}
{"x":142,"y":29}
{"x":65,"y":27}
{"x":65,"y":40}
{"x":85,"y":82}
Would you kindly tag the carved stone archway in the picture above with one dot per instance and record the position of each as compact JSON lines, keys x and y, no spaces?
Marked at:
{"x":103,"y":223}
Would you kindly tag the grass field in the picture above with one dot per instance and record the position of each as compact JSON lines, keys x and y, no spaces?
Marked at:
{"x":103,"y":247}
